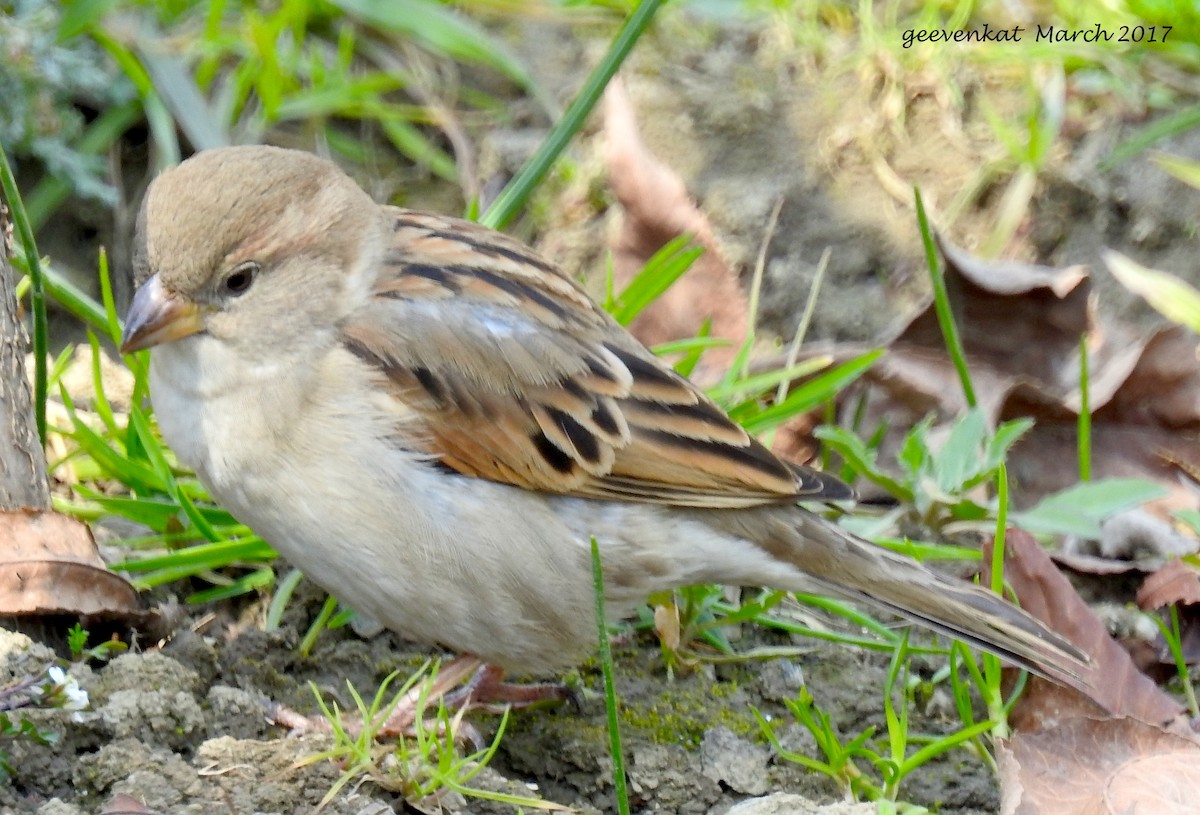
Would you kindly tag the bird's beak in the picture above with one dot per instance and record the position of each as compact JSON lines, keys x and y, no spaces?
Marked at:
{"x":158,"y":316}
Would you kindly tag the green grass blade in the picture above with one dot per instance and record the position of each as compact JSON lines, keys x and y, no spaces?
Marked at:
{"x":662,"y":270}
{"x":284,"y":590}
{"x":941,"y":303}
{"x":811,"y":394}
{"x":443,"y":30}
{"x":37,"y":292}
{"x":761,"y":383}
{"x":1172,"y":297}
{"x":514,"y":195}
{"x":247,"y":583}
{"x":1185,"y":170}
{"x":99,"y":399}
{"x":202,"y":557}
{"x":182,"y":97}
{"x":610,"y":694}
{"x":1084,"y":424}
{"x":132,"y":474}
{"x":1179,"y":122}
{"x":156,"y":514}
{"x":162,"y":126}
{"x":109,"y":303}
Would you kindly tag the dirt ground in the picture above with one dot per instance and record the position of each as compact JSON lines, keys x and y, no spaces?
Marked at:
{"x":745,"y":119}
{"x":182,"y":729}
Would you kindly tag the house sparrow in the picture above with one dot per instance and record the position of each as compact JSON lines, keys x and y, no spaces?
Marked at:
{"x":432,"y":422}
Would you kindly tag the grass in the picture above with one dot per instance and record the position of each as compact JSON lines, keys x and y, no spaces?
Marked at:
{"x":324,"y":70}
{"x":421,"y":765}
{"x":620,"y":793}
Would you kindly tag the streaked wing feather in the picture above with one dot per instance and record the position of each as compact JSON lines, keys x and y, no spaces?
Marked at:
{"x":516,"y":376}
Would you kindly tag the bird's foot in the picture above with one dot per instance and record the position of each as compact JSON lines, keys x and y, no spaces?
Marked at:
{"x":488,"y":691}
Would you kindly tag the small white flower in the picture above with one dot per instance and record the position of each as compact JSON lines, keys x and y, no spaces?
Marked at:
{"x":77,"y":697}
{"x":61,"y":682}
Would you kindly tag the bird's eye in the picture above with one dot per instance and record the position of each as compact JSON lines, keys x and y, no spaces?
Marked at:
{"x":241,"y":278}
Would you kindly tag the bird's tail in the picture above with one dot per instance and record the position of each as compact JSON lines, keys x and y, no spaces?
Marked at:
{"x":836,"y":562}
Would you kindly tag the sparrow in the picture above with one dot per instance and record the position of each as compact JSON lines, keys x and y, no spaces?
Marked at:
{"x":432,"y":422}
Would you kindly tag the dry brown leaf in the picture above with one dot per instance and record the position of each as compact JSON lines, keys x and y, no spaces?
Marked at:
{"x":1125,"y":747}
{"x":1019,"y":319}
{"x":658,"y":209}
{"x":1112,"y":681}
{"x":1175,"y":583}
{"x":1021,"y":326}
{"x":49,"y":565}
{"x":1099,"y":767}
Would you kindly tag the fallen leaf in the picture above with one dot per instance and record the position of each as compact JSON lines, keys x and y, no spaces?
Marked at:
{"x":1112,"y":682}
{"x":1088,"y":766}
{"x":1021,"y":326}
{"x":49,"y":565}
{"x":1173,"y":584}
{"x":657,"y":209}
{"x":1176,"y":585}
{"x":1124,"y":747}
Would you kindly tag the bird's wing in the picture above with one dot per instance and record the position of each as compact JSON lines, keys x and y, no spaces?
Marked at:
{"x":514,"y":374}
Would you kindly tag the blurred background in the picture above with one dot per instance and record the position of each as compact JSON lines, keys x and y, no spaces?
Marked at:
{"x":1039,"y":149}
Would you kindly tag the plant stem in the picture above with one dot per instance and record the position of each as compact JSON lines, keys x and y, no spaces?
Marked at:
{"x":1085,"y":414}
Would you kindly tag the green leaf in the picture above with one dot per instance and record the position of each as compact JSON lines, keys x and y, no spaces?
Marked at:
{"x":691,"y":356}
{"x":861,"y":458}
{"x":156,"y":515}
{"x":1185,"y":170}
{"x":177,"y":89}
{"x":759,"y":384}
{"x":1079,"y":510}
{"x":1189,"y":517}
{"x":359,"y":95}
{"x":81,"y":15}
{"x":962,"y":454}
{"x":115,"y":463}
{"x":914,"y":450}
{"x":697,"y":343}
{"x":247,"y":583}
{"x":1007,"y":434}
{"x":201,"y":557}
{"x":1167,"y":294}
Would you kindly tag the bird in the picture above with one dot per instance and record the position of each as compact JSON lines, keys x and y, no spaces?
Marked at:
{"x":432,"y":421}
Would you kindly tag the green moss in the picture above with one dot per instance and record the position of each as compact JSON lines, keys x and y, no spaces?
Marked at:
{"x":684,"y":712}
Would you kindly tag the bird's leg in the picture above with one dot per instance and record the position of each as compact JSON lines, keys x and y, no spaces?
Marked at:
{"x":488,"y":691}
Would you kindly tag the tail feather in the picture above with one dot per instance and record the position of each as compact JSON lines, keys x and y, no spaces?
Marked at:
{"x":999,"y":627}
{"x":837,"y":562}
